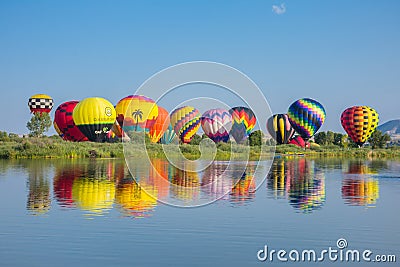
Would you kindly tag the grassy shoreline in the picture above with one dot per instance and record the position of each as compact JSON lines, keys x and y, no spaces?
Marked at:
{"x":54,"y":147}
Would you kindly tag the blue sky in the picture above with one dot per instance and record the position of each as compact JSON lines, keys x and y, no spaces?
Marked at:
{"x":342,"y":53}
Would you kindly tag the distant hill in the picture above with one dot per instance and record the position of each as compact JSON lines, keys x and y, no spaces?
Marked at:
{"x":392,"y":128}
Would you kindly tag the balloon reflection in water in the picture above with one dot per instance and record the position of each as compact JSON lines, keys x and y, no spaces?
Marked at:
{"x":159,"y":177}
{"x":244,"y":186}
{"x":185,"y":185}
{"x":298,"y":181}
{"x":62,"y":185}
{"x":66,"y":174}
{"x":134,"y":200}
{"x":94,"y":190}
{"x":95,"y":195}
{"x":358,"y":187}
{"x":279,"y":177}
{"x":39,"y":201}
{"x":215,"y":182}
{"x":359,"y":167}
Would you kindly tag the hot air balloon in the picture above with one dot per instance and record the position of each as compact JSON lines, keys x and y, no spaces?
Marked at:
{"x":57,"y":129}
{"x":280,"y":128}
{"x":160,"y":125}
{"x":243,"y":121}
{"x":40,"y":103}
{"x":299,"y":141}
{"x":306,"y":116}
{"x":136,"y":113}
{"x":65,"y":123}
{"x":359,"y":122}
{"x":117,"y":130}
{"x":168,"y":136}
{"x":216,"y":124}
{"x":94,"y":117}
{"x":186,"y":122}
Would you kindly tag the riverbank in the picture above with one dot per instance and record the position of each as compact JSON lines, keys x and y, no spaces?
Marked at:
{"x":54,"y":147}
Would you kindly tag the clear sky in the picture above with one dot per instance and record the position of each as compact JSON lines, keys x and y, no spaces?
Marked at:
{"x":341,"y":53}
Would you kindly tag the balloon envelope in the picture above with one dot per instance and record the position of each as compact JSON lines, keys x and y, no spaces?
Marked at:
{"x":280,"y":128}
{"x":359,"y":122}
{"x":243,"y":121}
{"x":57,"y":129}
{"x":306,"y":116}
{"x":40,"y":103}
{"x":216,"y":124}
{"x":185,"y":121}
{"x":160,"y":125}
{"x":65,"y":123}
{"x":299,"y":141}
{"x":94,"y":117}
{"x":136,"y":113}
{"x":168,"y":136}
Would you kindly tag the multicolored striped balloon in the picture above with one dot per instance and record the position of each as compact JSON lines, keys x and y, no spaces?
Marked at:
{"x":185,"y":121}
{"x":280,"y":128}
{"x":359,"y":122}
{"x":243,"y":121}
{"x":216,"y":124}
{"x":306,"y":116}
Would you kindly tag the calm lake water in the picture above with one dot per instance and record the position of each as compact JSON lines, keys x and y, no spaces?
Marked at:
{"x":93,"y":213}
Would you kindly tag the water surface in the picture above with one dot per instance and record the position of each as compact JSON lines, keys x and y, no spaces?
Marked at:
{"x":93,"y":213}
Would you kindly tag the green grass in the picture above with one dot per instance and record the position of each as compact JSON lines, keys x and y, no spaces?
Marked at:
{"x":55,"y":147}
{"x":336,"y":151}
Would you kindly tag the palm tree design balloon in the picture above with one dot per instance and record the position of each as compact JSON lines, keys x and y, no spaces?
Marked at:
{"x":137,"y":115}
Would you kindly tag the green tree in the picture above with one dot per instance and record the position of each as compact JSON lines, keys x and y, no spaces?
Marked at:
{"x":270,"y":142}
{"x":39,"y":124}
{"x":338,"y":139}
{"x":4,"y":136}
{"x":320,"y":138}
{"x":330,"y":138}
{"x":255,"y":138}
{"x":195,"y":140}
{"x":378,"y":139}
{"x":351,"y":143}
{"x":345,"y":141}
{"x":204,"y":136}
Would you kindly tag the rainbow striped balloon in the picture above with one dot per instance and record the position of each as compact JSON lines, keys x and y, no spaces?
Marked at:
{"x":243,"y":122}
{"x":306,"y":116}
{"x":185,"y":121}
